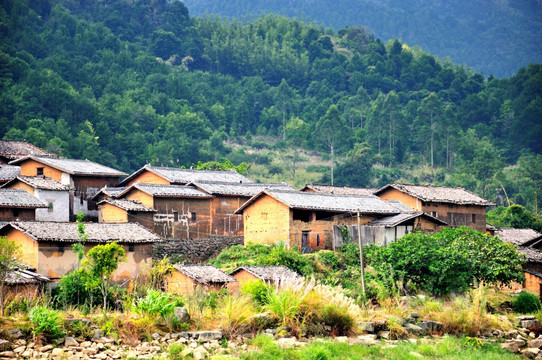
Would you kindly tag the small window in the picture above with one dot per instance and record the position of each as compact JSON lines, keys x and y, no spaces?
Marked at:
{"x":434,"y":214}
{"x":317,"y":239}
{"x":50,"y":207}
{"x":473,"y":218}
{"x":15,"y":212}
{"x":175,"y":216}
{"x":61,"y":248}
{"x":264,"y":216}
{"x":193,"y":217}
{"x":39,"y":171}
{"x":131,"y":247}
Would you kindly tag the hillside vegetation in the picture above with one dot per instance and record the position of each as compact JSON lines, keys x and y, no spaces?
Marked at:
{"x":124,"y":83}
{"x":492,"y":36}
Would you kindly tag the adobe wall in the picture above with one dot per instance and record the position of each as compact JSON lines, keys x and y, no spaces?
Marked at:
{"x":174,"y":218}
{"x":197,"y":250}
{"x":455,"y":215}
{"x":266,"y":221}
{"x":224,"y":221}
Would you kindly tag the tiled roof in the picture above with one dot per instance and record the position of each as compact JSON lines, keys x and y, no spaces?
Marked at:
{"x":97,"y":232}
{"x":332,"y":203}
{"x":392,"y":221}
{"x":518,"y":236}
{"x":339,"y":190}
{"x":236,"y":189}
{"x":39,"y":182}
{"x":531,"y":254}
{"x":9,"y":172}
{"x":15,"y":149}
{"x":185,"y":176}
{"x":269,"y":273}
{"x":428,"y":193}
{"x":19,"y":199}
{"x":22,"y":274}
{"x":205,"y":274}
{"x":180,"y":191}
{"x":128,"y":205}
{"x":112,"y":192}
{"x":74,"y":167}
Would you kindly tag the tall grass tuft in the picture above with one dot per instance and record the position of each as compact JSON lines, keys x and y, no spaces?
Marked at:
{"x":236,"y":314}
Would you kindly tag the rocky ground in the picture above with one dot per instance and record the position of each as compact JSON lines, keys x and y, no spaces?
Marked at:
{"x":206,"y":344}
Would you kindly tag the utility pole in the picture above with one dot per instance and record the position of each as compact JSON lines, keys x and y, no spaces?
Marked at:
{"x":361,"y":256}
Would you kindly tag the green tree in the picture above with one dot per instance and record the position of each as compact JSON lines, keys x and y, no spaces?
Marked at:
{"x":331,"y":128}
{"x":101,"y":262}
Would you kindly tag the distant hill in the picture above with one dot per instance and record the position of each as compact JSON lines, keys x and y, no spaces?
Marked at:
{"x":492,"y":36}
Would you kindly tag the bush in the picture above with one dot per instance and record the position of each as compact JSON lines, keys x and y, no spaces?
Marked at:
{"x":46,"y":323}
{"x":157,"y":304}
{"x":526,"y":303}
{"x":257,"y":289}
{"x":338,"y":319}
{"x":236,"y":314}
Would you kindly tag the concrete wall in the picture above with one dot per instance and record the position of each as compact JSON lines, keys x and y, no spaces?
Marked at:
{"x":197,"y":250}
{"x":60,"y":201}
{"x":266,"y":221}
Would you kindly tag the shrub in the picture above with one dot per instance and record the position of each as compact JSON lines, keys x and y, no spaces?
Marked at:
{"x":157,"y":304}
{"x":526,"y":303}
{"x":236,"y":314}
{"x":284,"y":305}
{"x":46,"y":323}
{"x":257,"y":289}
{"x":338,"y":318}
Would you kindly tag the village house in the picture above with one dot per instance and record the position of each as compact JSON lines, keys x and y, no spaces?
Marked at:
{"x":267,"y":274}
{"x":15,"y":149}
{"x":123,"y":211}
{"x":528,"y":243}
{"x":109,"y":193}
{"x":85,"y":178}
{"x":338,"y":190}
{"x":456,"y":206}
{"x":8,"y":173}
{"x":23,"y":281}
{"x":160,"y":175}
{"x":185,"y":279}
{"x":54,"y":194}
{"x":305,"y":220}
{"x":180,"y":211}
{"x":47,"y":246}
{"x":18,"y":205}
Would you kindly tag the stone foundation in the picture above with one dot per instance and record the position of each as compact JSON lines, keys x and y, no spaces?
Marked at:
{"x":197,"y":250}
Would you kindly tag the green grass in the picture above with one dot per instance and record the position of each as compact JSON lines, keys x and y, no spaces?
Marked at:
{"x":450,"y":348}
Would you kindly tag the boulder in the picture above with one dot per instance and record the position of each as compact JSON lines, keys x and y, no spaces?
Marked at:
{"x":4,"y":345}
{"x":369,"y":327}
{"x":181,"y":314}
{"x":510,"y":346}
{"x":530,"y":353}
{"x":15,"y":334}
{"x":208,"y":335}
{"x":430,"y":326}
{"x":532,"y":325}
{"x":70,"y":341}
{"x":413,"y":329}
{"x":367,"y":340}
{"x":535,"y":343}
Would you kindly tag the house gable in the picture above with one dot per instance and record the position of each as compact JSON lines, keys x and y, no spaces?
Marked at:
{"x":266,"y":221}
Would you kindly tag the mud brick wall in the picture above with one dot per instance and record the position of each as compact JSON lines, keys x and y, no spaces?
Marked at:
{"x":196,"y":250}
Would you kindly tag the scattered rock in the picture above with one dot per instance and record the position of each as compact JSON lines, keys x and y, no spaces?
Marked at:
{"x":57,"y":352}
{"x":413,"y":329}
{"x":208,"y":335}
{"x":182,"y":314}
{"x":70,"y":341}
{"x":532,"y":325}
{"x":530,"y":353}
{"x":367,"y":326}
{"x":428,"y":325}
{"x":156,"y":336}
{"x":286,"y":343}
{"x":98,"y":334}
{"x":535,"y":343}
{"x":15,"y":334}
{"x":414,"y":315}
{"x":46,"y":348}
{"x":367,"y":340}
{"x":4,"y":345}
{"x":7,"y":354}
{"x":510,"y":346}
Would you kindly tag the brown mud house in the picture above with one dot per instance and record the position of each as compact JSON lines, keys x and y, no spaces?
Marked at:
{"x":85,"y":178}
{"x":23,"y":281}
{"x":47,"y":246}
{"x":123,"y":211}
{"x":18,"y":204}
{"x":180,"y":211}
{"x":109,"y":193}
{"x":528,"y":243}
{"x":51,"y":192}
{"x":15,"y":149}
{"x":267,"y":274}
{"x":160,"y":175}
{"x":185,"y":279}
{"x":305,"y":220}
{"x":338,"y":190}
{"x":456,"y":206}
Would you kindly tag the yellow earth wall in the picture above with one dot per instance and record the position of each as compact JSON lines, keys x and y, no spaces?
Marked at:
{"x":28,"y":253}
{"x":112,"y":214}
{"x":140,"y":196}
{"x":408,"y":200}
{"x":266,"y":221}
{"x":21,"y":185}
{"x":30,"y":168}
{"x":179,"y":283}
{"x":147,"y":177}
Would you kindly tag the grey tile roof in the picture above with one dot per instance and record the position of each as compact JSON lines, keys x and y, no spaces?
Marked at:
{"x":18,"y":198}
{"x":39,"y":183}
{"x":185,"y":176}
{"x":531,"y":255}
{"x":128,"y":205}
{"x":339,"y":190}
{"x":180,"y":191}
{"x":269,"y":273}
{"x":9,"y":172}
{"x":399,"y":205}
{"x":74,"y":167}
{"x":445,"y":194}
{"x":395,"y":220}
{"x":332,"y":203}
{"x":23,"y":275}
{"x":112,"y":192}
{"x":15,"y":149}
{"x":518,"y":236}
{"x":97,"y":232}
{"x":205,"y":274}
{"x":236,"y":189}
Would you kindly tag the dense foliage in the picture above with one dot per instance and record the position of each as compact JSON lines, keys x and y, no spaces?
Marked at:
{"x":125,"y":83}
{"x":471,"y":33}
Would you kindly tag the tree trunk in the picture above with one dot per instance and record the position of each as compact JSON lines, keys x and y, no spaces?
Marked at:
{"x":332,"y":161}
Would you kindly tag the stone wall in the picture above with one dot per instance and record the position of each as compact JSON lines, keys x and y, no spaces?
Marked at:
{"x":197,"y":250}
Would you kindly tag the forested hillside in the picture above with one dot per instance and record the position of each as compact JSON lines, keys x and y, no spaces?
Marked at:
{"x":492,"y":36}
{"x":129,"y":82}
